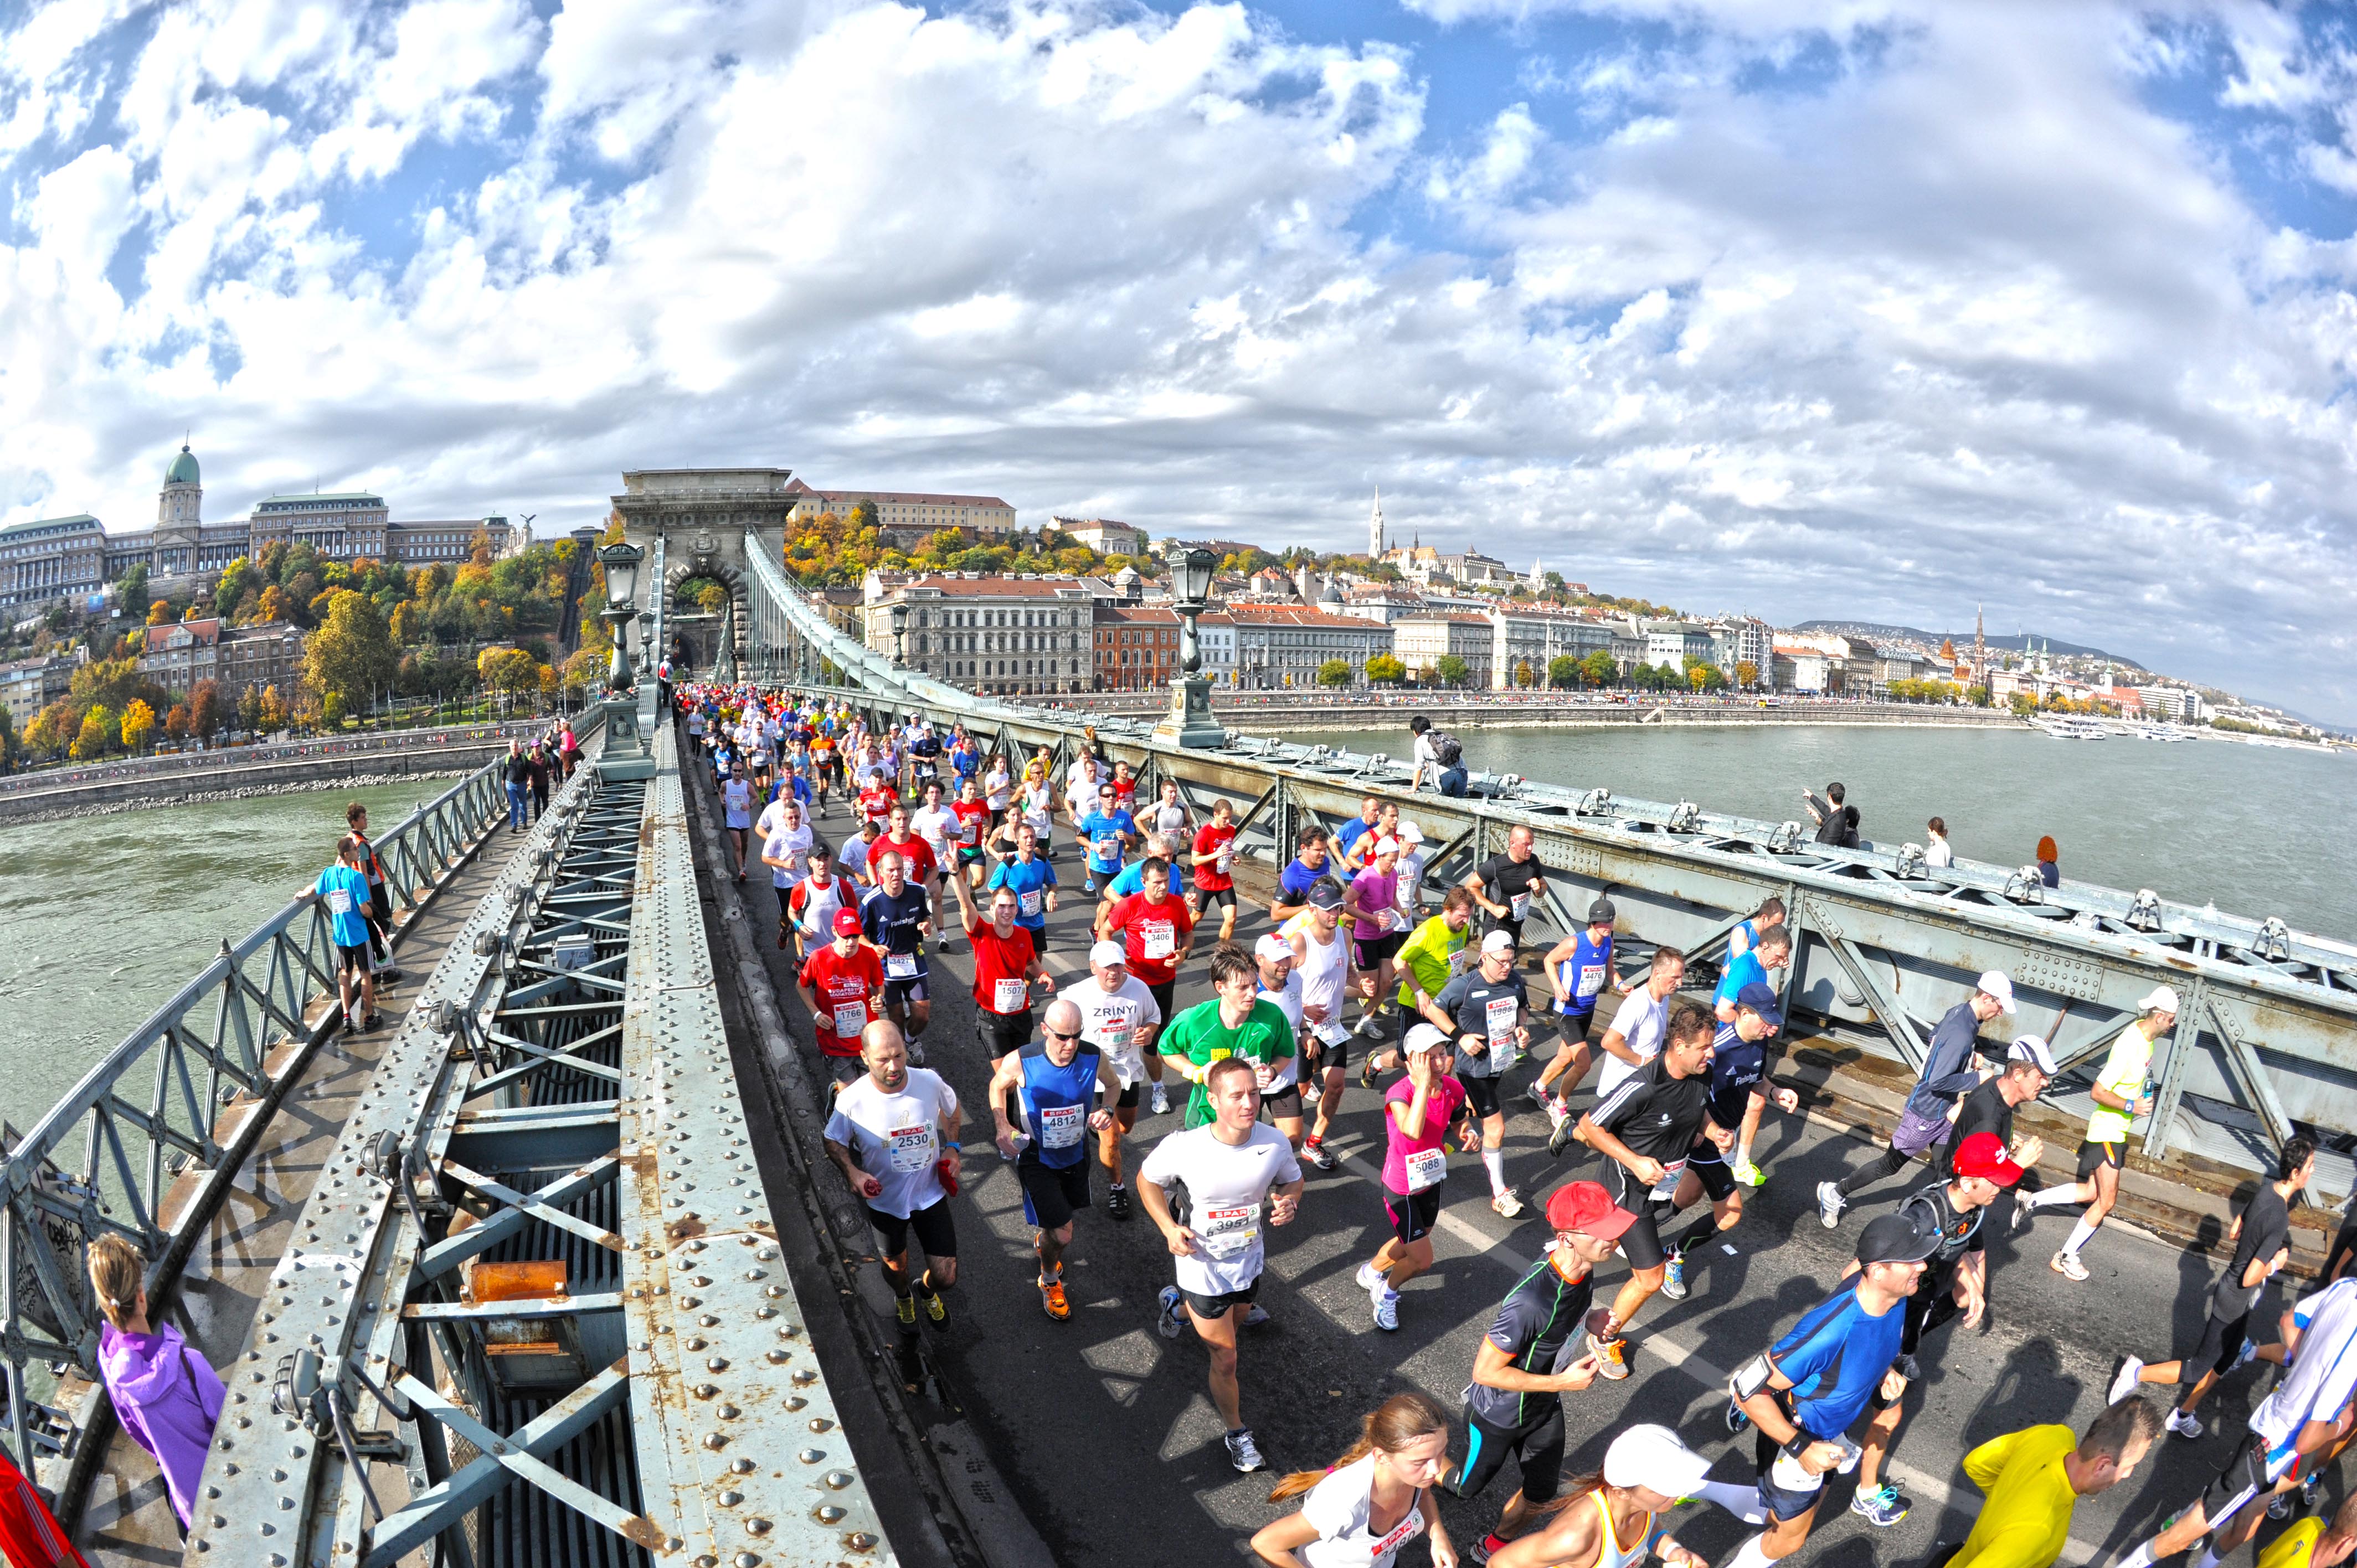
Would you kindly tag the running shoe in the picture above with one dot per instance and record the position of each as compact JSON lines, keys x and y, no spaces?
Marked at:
{"x":1673,"y":1277}
{"x":1537,"y":1096}
{"x":1386,"y":1302}
{"x":1089,"y":885}
{"x":1310,"y":1093}
{"x":1560,"y":1139}
{"x":916,"y":1054}
{"x":1161,"y":1101}
{"x":1117,"y":1203}
{"x":1611,"y":1358}
{"x":1558,"y":1112}
{"x":1256,"y":1316}
{"x":1486,"y":1546}
{"x":2310,"y":1485}
{"x":389,"y":976}
{"x":935,"y":1307}
{"x":905,"y":1308}
{"x":2066,"y":1263}
{"x":1367,"y":1071}
{"x":2124,"y":1380}
{"x":1882,"y":1505}
{"x":1735,"y":1420}
{"x":1315,"y":1152}
{"x":1749,"y":1174}
{"x":1051,"y":1297}
{"x":1508,"y":1203}
{"x":2243,"y":1357}
{"x":2279,"y":1505}
{"x":1830,"y":1204}
{"x":2022,"y":1215}
{"x":1366,"y":1279}
{"x":2181,"y":1424}
{"x":1243,"y":1453}
{"x":1167,"y":1317}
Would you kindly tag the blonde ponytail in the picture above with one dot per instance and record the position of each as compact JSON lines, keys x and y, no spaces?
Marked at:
{"x":117,"y":1272}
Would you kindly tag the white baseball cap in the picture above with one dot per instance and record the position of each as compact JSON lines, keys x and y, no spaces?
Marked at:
{"x":1996,"y":986}
{"x":1498,"y":941}
{"x":1653,"y":1457}
{"x":2031,"y":1048}
{"x":1387,"y":846}
{"x":1272,"y":947}
{"x":1106,"y":955}
{"x":1424,"y":1037}
{"x":2160,"y":999}
{"x":1410,"y":834}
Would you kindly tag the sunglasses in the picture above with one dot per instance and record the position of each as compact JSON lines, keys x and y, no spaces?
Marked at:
{"x":1060,"y":1035}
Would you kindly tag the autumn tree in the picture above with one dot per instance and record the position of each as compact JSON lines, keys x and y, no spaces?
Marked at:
{"x":1599,"y":668}
{"x":1386,"y":669}
{"x":249,"y":709}
{"x":160,"y":613}
{"x":99,"y":732}
{"x":271,"y":716}
{"x":351,"y":654}
{"x":408,"y":623}
{"x":176,"y":722}
{"x":138,"y":723}
{"x":205,"y":709}
{"x":1747,"y":674}
{"x":1525,"y":676}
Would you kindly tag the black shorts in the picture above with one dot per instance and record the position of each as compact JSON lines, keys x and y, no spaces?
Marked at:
{"x":1481,"y":1095}
{"x":1051,"y":1193}
{"x":1717,"y":1181}
{"x":2222,"y":1341}
{"x":1536,"y":1448}
{"x":1781,"y":1502}
{"x":353,"y":960}
{"x":1161,"y":995}
{"x":1038,"y":937}
{"x":1571,"y":1028}
{"x":2244,"y":1480}
{"x":1512,"y":927}
{"x":1002,"y":1032}
{"x":1225,"y":897}
{"x":936,"y":1234}
{"x":1218,"y":1306}
{"x":1283,"y":1102}
{"x":1371,"y":951}
{"x":901,"y":993}
{"x":1412,"y":1215}
{"x":1332,"y":1055}
{"x":1128,"y":1099}
{"x":1642,"y":1242}
{"x":2093,"y":1157}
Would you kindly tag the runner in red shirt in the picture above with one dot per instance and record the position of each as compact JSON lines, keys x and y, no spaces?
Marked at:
{"x":1124,"y":789}
{"x":842,"y":986}
{"x":1005,"y":968}
{"x":1214,"y":860}
{"x":1155,"y":927}
{"x":877,"y":800}
{"x":916,"y":855}
{"x":973,"y":815}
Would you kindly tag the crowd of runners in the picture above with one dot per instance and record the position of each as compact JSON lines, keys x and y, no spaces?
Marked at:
{"x":884,"y":846}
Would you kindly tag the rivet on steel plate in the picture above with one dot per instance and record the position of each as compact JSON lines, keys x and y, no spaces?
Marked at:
{"x":811,"y":1455}
{"x":819,"y":1423}
{"x":838,"y":1479}
{"x":795,"y":1402}
{"x":777,"y":1358}
{"x":715,"y":1441}
{"x":731,"y":1498}
{"x":742,"y":1467}
{"x":717,"y":1364}
{"x":804,"y":1378}
{"x":747,"y":1560}
{"x":827,"y":1513}
{"x":730,"y":1413}
{"x":860,"y":1540}
{"x":758,"y":1526}
{"x":706,"y":1390}
{"x":765,"y":1312}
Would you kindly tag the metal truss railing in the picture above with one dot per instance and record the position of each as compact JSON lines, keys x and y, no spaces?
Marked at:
{"x":154,"y":1135}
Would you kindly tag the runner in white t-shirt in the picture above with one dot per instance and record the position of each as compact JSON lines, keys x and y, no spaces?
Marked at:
{"x":1229,"y":1167}
{"x":786,"y":841}
{"x":894,"y":1135}
{"x":1119,"y":1017}
{"x":1321,"y":957}
{"x":1360,"y":1510}
{"x":1634,"y":1038}
{"x":1280,"y":1093}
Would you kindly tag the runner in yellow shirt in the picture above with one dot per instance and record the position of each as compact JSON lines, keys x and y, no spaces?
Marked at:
{"x":2033,"y":1478}
{"x":2122,"y":1092}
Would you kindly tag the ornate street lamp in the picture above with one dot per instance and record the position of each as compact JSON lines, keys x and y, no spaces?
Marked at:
{"x":621,"y":563}
{"x":1190,"y":722}
{"x":900,"y":633}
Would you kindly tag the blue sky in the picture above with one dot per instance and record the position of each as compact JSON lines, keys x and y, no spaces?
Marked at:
{"x":1861,"y":308}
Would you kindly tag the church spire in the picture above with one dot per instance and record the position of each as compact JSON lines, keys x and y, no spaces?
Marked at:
{"x":1375,"y":528}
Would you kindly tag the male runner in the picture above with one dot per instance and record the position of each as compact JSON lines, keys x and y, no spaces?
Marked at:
{"x":2122,"y":1092}
{"x":1032,"y":879}
{"x":1229,"y":1167}
{"x":2311,"y":1543}
{"x":842,"y":983}
{"x":1506,"y":884}
{"x":2029,"y":1069}
{"x":896,"y":919}
{"x":1234,"y":1023}
{"x":786,"y":843}
{"x":1119,"y":1017}
{"x":937,"y":825}
{"x":1058,"y":1077}
{"x":1303,"y":872}
{"x":1752,"y":967}
{"x":973,"y":819}
{"x":1213,"y":859}
{"x":1738,"y":1087}
{"x":1646,"y":1128}
{"x":2034,"y":1477}
{"x":1108,"y":833}
{"x":1487,"y":1012}
{"x":1578,"y":968}
{"x":344,"y":891}
{"x":1280,"y":1083}
{"x":917,"y":859}
{"x":1321,"y":957}
{"x":811,"y":904}
{"x":1156,"y":931}
{"x":894,"y":1135}
{"x":876,"y":800}
{"x":1949,"y":1074}
{"x":1433,"y":954}
{"x":852,"y":858}
{"x":380,"y":905}
{"x":1746,"y":933}
{"x":1633,"y":1038}
{"x":1006,"y":969}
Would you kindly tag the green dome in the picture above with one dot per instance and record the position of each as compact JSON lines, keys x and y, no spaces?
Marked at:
{"x":183,"y":470}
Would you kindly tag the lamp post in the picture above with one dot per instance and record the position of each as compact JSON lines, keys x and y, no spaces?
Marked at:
{"x":1190,"y":722}
{"x":621,"y":563}
{"x":900,"y":633}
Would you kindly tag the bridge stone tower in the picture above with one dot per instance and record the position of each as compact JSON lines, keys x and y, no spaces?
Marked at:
{"x":704,"y":514}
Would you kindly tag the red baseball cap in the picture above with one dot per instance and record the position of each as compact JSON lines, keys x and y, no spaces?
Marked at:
{"x":1586,"y":1207}
{"x":1983,"y":1155}
{"x":847,"y":922}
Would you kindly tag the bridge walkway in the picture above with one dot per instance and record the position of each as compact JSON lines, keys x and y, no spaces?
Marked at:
{"x":128,"y":1519}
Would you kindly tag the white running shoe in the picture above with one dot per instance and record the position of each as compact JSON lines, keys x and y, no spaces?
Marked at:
{"x":1243,"y":1453}
{"x":1161,"y":1101}
{"x":2124,"y":1382}
{"x":1367,"y":1279}
{"x":1507,"y":1203}
{"x":2067,"y":1264}
{"x":1830,"y":1204}
{"x":2183,"y":1425}
{"x":1387,"y":1309}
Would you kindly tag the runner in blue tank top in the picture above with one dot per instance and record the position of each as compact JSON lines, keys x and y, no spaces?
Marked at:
{"x":1054,"y":1080}
{"x":1579,"y":968}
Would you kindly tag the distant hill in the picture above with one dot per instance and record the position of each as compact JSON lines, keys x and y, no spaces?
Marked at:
{"x":2017,"y":643}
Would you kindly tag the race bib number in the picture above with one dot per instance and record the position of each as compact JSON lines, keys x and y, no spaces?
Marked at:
{"x":1499,"y":1020}
{"x":1789,"y":1474}
{"x":1591,"y":979}
{"x":850,"y":1018}
{"x":1114,"y":1038}
{"x":1224,"y":1232}
{"x":1460,"y":960}
{"x":340,"y":902}
{"x":1227,"y":859}
{"x":1108,"y":850}
{"x":1157,"y":939}
{"x":1332,"y":1032}
{"x":1059,"y":1126}
{"x":900,"y":965}
{"x":1030,"y":903}
{"x":1425,"y":1167}
{"x":1009,"y":995}
{"x":1518,"y":907}
{"x":912,"y":1148}
{"x":1667,"y":1186}
{"x":1400,"y":1533}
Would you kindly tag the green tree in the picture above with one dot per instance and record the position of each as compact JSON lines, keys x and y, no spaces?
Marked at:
{"x":1599,"y":668}
{"x":1452,"y":670}
{"x":249,"y":709}
{"x":100,"y":731}
{"x":1384,"y":670}
{"x":132,"y":586}
{"x":1563,"y":669}
{"x":351,"y":654}
{"x":1334,"y":672}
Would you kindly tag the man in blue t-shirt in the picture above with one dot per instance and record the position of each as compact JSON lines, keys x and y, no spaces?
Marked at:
{"x":343,"y":888}
{"x":1767,"y":956}
{"x":1804,"y":1395}
{"x":1107,"y":832}
{"x":1133,"y":877}
{"x":1305,"y":871}
{"x":1033,"y":882}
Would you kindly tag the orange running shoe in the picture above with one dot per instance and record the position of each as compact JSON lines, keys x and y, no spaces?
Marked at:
{"x":1051,"y":1297}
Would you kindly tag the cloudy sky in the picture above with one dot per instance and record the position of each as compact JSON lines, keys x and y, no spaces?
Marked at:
{"x":1869,"y":308}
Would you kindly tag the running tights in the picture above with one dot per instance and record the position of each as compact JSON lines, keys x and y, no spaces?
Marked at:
{"x":1879,"y":1170}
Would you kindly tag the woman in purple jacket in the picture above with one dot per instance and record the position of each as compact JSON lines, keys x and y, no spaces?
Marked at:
{"x":166,"y":1396}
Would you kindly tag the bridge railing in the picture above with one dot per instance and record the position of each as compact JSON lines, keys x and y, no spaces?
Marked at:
{"x":153,"y":1136}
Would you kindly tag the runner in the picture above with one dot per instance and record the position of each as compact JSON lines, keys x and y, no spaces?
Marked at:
{"x":937,"y":825}
{"x":1578,"y":968}
{"x":1170,"y":816}
{"x":1486,"y":1012}
{"x":1434,"y":953}
{"x":917,"y":859}
{"x":1119,"y":1017}
{"x":2029,"y":1069}
{"x":1213,"y":858}
{"x":894,"y":1135}
{"x":1125,"y":790}
{"x":1321,"y":957}
{"x":1308,"y":868}
{"x":2309,"y":1544}
{"x":1530,"y":1359}
{"x":1280,"y":1083}
{"x":973,"y":819}
{"x":842,"y":983}
{"x":1058,"y":1077}
{"x":2123,"y":1092}
{"x":1156,"y":931}
{"x":876,"y":800}
{"x":1752,"y":967}
{"x":1107,"y":832}
{"x":1738,"y":1087}
{"x":1032,"y":881}
{"x":1647,"y":1472}
{"x":736,"y":800}
{"x":1954,"y":1283}
{"x":1802,"y":1395}
{"x":2261,"y":1237}
{"x":893,"y":914}
{"x":1372,"y":907}
{"x":2032,"y":1479}
{"x":1131,"y":878}
{"x":344,"y":893}
{"x":1633,"y":1039}
{"x":1507,"y":884}
{"x":1370,"y":811}
{"x":1357,"y":848}
{"x":1365,"y":1505}
{"x":1006,"y":969}
{"x":1227,"y":1167}
{"x":1646,"y":1128}
{"x":1949,"y":1074}
{"x":1746,"y":933}
{"x":786,"y":844}
{"x":811,"y":904}
{"x":1234,"y":1023}
{"x":852,"y":858}
{"x":1418,"y":1112}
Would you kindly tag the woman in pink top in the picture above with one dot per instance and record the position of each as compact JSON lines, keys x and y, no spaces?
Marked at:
{"x":1417,"y":1113}
{"x":1372,"y":902}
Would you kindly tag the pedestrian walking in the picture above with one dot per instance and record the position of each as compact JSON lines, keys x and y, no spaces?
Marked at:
{"x":166,"y":1396}
{"x":516,"y":773}
{"x":345,"y":893}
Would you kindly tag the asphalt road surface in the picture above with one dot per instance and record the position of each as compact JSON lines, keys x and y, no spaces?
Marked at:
{"x":1107,"y":1431}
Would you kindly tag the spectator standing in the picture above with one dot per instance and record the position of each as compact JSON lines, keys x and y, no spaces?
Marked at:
{"x":1833,"y":822}
{"x":2050,"y":866}
{"x":1936,"y":853}
{"x":166,"y":1396}
{"x":517,"y":776}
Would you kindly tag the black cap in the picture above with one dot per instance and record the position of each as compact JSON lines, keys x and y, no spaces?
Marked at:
{"x":1896,"y":1239}
{"x":1601,"y":912}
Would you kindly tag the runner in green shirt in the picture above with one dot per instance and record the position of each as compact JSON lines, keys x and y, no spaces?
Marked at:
{"x":1430,"y":956}
{"x":1234,"y":1023}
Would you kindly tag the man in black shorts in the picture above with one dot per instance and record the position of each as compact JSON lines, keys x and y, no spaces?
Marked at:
{"x":1739,"y":1082}
{"x":2261,"y":1237}
{"x":894,"y":1135}
{"x":1487,"y":1011}
{"x":896,"y":916}
{"x":1530,"y":1358}
{"x":1646,"y":1129}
